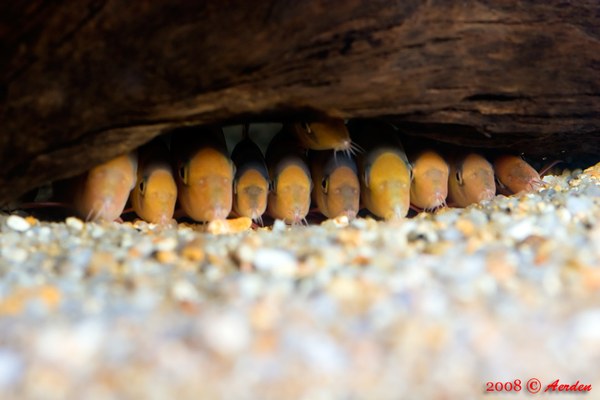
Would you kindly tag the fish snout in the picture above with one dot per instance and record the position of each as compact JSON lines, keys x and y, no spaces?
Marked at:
{"x":219,"y":212}
{"x":396,"y":213}
{"x":297,"y":216}
{"x":486,"y":194}
{"x":350,"y":200}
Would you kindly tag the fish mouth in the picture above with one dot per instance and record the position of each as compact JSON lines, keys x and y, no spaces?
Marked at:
{"x":349,"y":213}
{"x":218,"y":213}
{"x":298,"y":217}
{"x":397,"y":213}
{"x":437,"y":201}
{"x":486,"y":195}
{"x":257,"y":217}
{"x":535,"y":185}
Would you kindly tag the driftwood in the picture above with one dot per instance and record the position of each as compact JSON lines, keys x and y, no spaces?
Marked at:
{"x":81,"y":81}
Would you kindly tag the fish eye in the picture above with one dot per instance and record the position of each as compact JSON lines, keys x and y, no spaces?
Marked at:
{"x":325,"y":184}
{"x":459,"y":177}
{"x":143,"y":186}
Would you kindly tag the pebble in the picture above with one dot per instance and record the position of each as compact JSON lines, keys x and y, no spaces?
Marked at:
{"x":227,"y":334}
{"x":184,"y":291}
{"x":17,"y":223}
{"x":11,"y":368}
{"x":74,"y":223}
{"x":276,"y":261}
{"x":14,"y":254}
{"x":520,"y":230}
{"x":166,"y":244}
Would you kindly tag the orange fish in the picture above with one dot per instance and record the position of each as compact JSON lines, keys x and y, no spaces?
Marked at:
{"x":336,"y":189}
{"x":384,"y":170}
{"x":429,"y":186}
{"x":251,"y":184}
{"x":515,"y":175}
{"x":324,"y":134}
{"x":155,"y":192}
{"x":289,"y":198}
{"x":471,"y":180}
{"x":204,"y":172}
{"x":101,"y":193}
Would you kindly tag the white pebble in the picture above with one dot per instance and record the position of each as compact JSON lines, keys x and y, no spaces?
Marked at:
{"x":251,"y":286}
{"x":587,"y":326}
{"x":520,"y":230}
{"x":17,"y":223}
{"x":167,"y":244}
{"x":227,"y":334}
{"x":74,"y":223}
{"x":185,"y":291}
{"x":279,"y":226}
{"x":579,"y":206}
{"x":279,"y":262}
{"x":14,"y":254}
{"x":11,"y":368}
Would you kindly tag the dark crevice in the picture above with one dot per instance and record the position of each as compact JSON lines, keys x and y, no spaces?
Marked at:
{"x":495,"y":97}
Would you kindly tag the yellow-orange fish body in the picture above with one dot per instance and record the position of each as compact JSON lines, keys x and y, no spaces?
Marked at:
{"x":429,"y":186}
{"x":336,"y":188}
{"x":204,"y":173}
{"x":155,"y":193}
{"x":471,"y":180}
{"x":323,"y":134}
{"x":251,"y":184}
{"x":101,"y":193}
{"x":289,"y":198}
{"x":384,"y":170}
{"x":515,"y":174}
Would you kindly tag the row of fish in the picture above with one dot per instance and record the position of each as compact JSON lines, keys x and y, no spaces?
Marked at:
{"x":339,"y":167}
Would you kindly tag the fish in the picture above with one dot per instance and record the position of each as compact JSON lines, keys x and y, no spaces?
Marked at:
{"x":471,"y":179}
{"x":336,"y":188}
{"x":291,"y":184}
{"x":384,"y":170}
{"x":515,"y":175}
{"x":204,"y":172}
{"x":429,"y":186}
{"x":101,"y":193}
{"x":155,"y":193}
{"x":325,"y":134}
{"x":251,"y":183}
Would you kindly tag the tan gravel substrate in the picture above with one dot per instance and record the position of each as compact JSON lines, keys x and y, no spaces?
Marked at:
{"x":430,"y":307}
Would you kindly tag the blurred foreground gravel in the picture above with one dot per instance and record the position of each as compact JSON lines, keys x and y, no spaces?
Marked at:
{"x":429,"y":307}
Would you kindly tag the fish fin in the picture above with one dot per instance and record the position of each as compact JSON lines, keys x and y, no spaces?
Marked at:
{"x":366,"y":175}
{"x":246,"y":131}
{"x":325,"y":184}
{"x":459,"y":177}
{"x":183,"y":172}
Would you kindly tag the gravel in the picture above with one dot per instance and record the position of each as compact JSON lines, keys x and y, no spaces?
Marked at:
{"x":430,"y":307}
